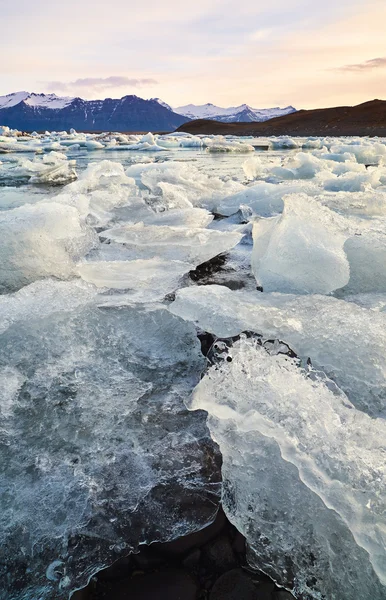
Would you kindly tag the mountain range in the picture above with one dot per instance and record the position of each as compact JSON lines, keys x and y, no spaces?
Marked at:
{"x":29,"y":111}
{"x":40,"y":112}
{"x":366,"y":119}
{"x":235,"y":114}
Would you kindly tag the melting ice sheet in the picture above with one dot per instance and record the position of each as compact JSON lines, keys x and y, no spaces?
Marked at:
{"x":95,"y":441}
{"x":343,"y":339}
{"x":97,"y":450}
{"x":304,"y":464}
{"x":303,"y":472}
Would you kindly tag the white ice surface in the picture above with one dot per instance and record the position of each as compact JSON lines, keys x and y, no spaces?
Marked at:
{"x":301,"y":251}
{"x":344,"y":340}
{"x":191,"y":245}
{"x":146,"y":280}
{"x":303,"y":472}
{"x":41,"y":240}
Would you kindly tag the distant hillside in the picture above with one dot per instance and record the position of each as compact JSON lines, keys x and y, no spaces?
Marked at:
{"x":233,"y":114}
{"x":29,"y":112}
{"x":368,"y":118}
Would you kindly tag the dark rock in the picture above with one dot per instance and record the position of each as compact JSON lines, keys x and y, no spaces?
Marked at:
{"x":206,"y":340}
{"x":147,"y":559}
{"x":182,"y":545}
{"x":168,"y":584}
{"x":282,"y":595}
{"x":238,"y":543}
{"x":82,"y":594}
{"x":219,"y":555}
{"x":118,"y":570}
{"x":265,"y":590}
{"x":234,"y":585}
{"x":208,"y":268}
{"x":191,"y":562}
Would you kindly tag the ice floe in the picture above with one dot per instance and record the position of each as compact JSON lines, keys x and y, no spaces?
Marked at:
{"x":303,"y":471}
{"x":53,"y":168}
{"x":191,"y":245}
{"x":301,"y":251}
{"x":344,"y":340}
{"x":41,"y":240}
{"x":93,"y":410}
{"x":116,"y":251}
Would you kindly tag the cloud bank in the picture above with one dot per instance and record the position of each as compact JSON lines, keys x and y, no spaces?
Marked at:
{"x":98,"y":83}
{"x":374,"y":63}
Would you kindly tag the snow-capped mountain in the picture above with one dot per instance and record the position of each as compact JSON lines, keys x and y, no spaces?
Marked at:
{"x":162,"y":103}
{"x":28,"y":112}
{"x":238,"y":114}
{"x":41,"y":100}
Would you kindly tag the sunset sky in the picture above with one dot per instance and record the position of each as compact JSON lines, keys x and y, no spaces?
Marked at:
{"x":305,"y":53}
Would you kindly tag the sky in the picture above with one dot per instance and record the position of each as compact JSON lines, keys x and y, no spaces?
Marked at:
{"x":227,"y":52}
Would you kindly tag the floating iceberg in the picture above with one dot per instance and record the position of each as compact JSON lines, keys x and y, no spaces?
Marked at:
{"x":100,"y":189}
{"x":303,"y":471}
{"x":191,"y":245}
{"x":52,"y":168}
{"x":301,"y":166}
{"x":265,"y":199}
{"x":301,"y":251}
{"x":365,"y":152}
{"x":147,"y":142}
{"x":253,"y":167}
{"x":367,"y":257}
{"x":147,"y":280}
{"x":181,"y":185}
{"x":285,"y":143}
{"x":228,"y":146}
{"x":41,"y":240}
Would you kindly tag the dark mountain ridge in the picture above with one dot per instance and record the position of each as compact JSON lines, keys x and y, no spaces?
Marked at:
{"x":129,"y":113}
{"x":368,"y":118}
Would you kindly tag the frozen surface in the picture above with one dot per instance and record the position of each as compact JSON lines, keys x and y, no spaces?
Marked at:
{"x":97,"y":449}
{"x":96,"y":444}
{"x":372,"y":301}
{"x":344,"y":340}
{"x":301,"y":251}
{"x":192,"y":245}
{"x":52,"y":168}
{"x":181,"y":185}
{"x":303,"y":471}
{"x":41,"y":240}
{"x":188,"y":217}
{"x":265,"y":199}
{"x":146,"y":280}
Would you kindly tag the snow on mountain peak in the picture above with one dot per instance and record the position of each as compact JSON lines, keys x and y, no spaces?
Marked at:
{"x":48,"y":100}
{"x":12,"y":99}
{"x":162,"y":103}
{"x":36,"y":100}
{"x":233,"y":113}
{"x":242,"y":113}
